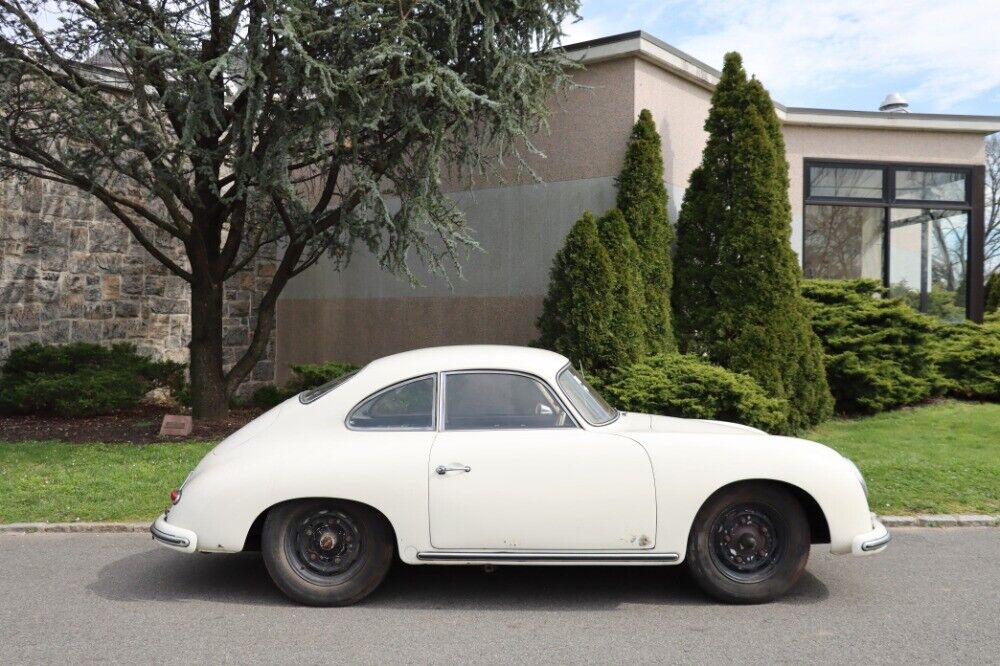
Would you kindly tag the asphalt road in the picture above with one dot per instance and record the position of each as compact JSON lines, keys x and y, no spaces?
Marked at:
{"x":933,"y":597}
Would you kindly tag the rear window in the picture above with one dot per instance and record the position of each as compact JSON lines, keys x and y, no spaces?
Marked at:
{"x":406,"y":406}
{"x":315,"y":394}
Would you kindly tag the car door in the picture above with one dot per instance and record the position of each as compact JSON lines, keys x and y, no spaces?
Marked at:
{"x":510,"y":469}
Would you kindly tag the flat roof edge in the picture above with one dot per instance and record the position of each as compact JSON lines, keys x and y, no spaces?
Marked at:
{"x":940,"y":122}
{"x":652,"y":39}
{"x":640,"y":44}
{"x":601,"y":41}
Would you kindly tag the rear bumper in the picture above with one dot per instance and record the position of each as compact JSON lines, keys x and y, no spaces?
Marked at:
{"x":871,"y":542}
{"x":173,"y":536}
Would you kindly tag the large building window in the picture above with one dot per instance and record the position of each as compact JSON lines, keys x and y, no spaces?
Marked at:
{"x":908,"y":226}
{"x":843,"y":242}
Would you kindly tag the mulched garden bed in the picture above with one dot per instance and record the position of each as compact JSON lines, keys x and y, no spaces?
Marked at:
{"x":141,"y":426}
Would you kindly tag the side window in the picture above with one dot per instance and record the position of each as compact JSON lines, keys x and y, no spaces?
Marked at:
{"x":406,"y":406}
{"x":499,"y":401}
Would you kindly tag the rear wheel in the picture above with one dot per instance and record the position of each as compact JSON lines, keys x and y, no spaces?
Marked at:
{"x":749,"y":544}
{"x":326,"y":552}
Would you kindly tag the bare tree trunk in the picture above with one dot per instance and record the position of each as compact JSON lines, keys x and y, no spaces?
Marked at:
{"x":210,"y":399}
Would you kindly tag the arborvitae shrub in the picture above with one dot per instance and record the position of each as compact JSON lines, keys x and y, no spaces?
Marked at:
{"x":642,"y":199}
{"x":878,"y":349}
{"x":628,"y":303}
{"x":578,"y":310}
{"x":737,"y":283}
{"x":81,"y":379}
{"x":683,"y":385}
{"x":992,"y":295}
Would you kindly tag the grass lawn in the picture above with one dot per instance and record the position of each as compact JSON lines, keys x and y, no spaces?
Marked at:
{"x":942,"y":458}
{"x":59,"y":482}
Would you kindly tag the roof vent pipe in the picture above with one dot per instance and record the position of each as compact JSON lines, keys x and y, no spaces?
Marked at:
{"x":894,"y":103}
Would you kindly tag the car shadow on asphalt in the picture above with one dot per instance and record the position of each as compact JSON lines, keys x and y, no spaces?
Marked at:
{"x":565,"y":588}
{"x":161,"y":575}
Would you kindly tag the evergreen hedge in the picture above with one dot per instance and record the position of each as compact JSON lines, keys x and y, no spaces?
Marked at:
{"x":313,"y":375}
{"x":737,"y":282}
{"x":682,"y":385}
{"x":305,"y":376}
{"x":81,"y":379}
{"x":878,"y":350}
{"x":642,"y":199}
{"x":968,"y":357}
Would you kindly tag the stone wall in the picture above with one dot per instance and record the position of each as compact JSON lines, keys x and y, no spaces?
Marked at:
{"x":70,"y":272}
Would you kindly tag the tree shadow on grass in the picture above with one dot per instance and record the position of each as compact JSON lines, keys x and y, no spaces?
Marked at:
{"x":161,"y":575}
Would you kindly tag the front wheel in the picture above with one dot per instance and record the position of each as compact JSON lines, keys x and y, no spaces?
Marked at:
{"x":749,"y":544}
{"x":326,"y":552}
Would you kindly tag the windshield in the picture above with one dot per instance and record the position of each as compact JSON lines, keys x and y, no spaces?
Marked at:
{"x":315,"y":394}
{"x":588,"y":402}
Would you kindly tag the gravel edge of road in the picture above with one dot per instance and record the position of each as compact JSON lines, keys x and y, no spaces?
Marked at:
{"x":920,"y":520}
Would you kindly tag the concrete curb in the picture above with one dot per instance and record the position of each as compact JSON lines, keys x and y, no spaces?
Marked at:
{"x":941,"y":520}
{"x":922,"y":520}
{"x":65,"y":528}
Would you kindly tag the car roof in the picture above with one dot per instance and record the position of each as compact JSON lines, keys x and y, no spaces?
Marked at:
{"x":467,"y":357}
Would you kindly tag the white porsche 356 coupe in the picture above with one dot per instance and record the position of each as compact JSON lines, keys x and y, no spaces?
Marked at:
{"x":504,"y":455}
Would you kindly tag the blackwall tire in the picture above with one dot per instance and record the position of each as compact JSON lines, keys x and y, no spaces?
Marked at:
{"x":749,"y":543}
{"x":326,"y":552}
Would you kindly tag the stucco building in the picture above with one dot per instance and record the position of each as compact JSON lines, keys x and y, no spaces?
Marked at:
{"x":892,"y":195}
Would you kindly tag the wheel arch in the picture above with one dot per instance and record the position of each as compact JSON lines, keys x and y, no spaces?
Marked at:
{"x":252,"y":540}
{"x":819,"y":528}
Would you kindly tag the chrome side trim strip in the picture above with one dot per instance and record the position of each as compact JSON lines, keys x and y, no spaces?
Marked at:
{"x":875,"y":544}
{"x":168,"y":538}
{"x":543,"y":556}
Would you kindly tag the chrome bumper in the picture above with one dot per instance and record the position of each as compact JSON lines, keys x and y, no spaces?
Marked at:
{"x":871,"y":542}
{"x":173,"y":536}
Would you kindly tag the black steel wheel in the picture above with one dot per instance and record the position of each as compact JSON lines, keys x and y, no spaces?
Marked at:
{"x":746,"y":542}
{"x":749,"y":543}
{"x":324,"y":546}
{"x":326,"y":552}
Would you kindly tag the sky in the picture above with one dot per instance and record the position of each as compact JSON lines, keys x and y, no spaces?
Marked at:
{"x":942,"y":56}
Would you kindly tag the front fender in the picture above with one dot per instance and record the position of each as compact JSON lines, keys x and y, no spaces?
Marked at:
{"x":690,"y":470}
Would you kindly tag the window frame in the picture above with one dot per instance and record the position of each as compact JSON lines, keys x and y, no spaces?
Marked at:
{"x":973,"y":205}
{"x":433,"y":376}
{"x":966,"y":204}
{"x":442,"y":400}
{"x":835,"y":164}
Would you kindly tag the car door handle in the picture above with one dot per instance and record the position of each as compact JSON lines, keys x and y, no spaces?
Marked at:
{"x":452,"y":467}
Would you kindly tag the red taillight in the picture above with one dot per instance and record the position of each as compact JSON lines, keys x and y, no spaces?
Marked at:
{"x":175,"y":496}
